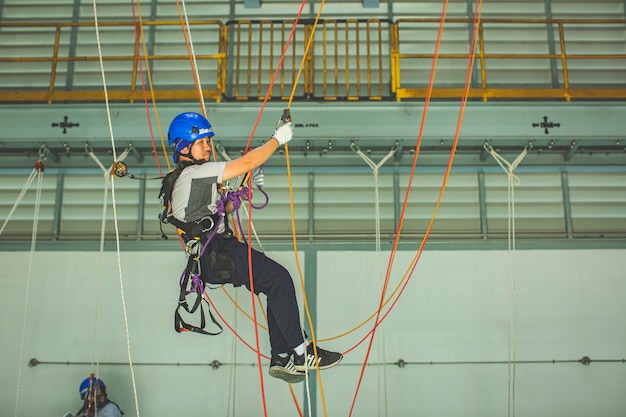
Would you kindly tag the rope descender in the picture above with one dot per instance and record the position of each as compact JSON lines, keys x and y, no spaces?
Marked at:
{"x":285,"y":118}
{"x":43,"y":154}
{"x":119,"y":169}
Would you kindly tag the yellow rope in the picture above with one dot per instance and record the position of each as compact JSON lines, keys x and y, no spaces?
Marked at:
{"x":292,"y":211}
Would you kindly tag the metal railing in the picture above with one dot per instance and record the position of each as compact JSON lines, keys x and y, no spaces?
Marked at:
{"x":31,"y":72}
{"x":346,"y":60}
{"x":351,"y":59}
{"x":548,"y":75}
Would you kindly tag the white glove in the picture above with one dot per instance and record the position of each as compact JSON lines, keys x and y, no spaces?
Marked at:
{"x":258,"y":179}
{"x":284,"y":133}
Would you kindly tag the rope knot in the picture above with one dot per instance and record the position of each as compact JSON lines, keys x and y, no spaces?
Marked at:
{"x":196,"y":283}
{"x":235,"y":196}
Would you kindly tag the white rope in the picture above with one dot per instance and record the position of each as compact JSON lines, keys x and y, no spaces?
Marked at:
{"x":381,"y":341}
{"x":29,"y":181}
{"x":27,"y":295}
{"x":227,"y":157}
{"x":222,"y":151}
{"x":256,"y":236}
{"x":94,"y":348}
{"x":89,"y":151}
{"x":104,"y":82}
{"x":193,"y":57}
{"x":106,"y":172}
{"x":512,"y":181}
{"x":121,"y":279}
{"x":123,"y":297}
{"x":306,"y":380}
{"x":95,"y":364}
{"x":231,"y":401}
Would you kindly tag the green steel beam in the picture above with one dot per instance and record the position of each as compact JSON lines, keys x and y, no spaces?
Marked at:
{"x":552,"y":127}
{"x":141,"y":208}
{"x":482,"y":201}
{"x":567,"y":205}
{"x":311,"y":206}
{"x":371,"y":4}
{"x":310,"y":289}
{"x":397,"y":202}
{"x":58,"y":204}
{"x":554,"y":71}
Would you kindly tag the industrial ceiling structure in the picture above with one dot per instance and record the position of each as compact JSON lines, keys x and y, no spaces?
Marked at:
{"x":545,"y":82}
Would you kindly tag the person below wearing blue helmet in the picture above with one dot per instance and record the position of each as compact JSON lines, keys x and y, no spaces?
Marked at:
{"x":194,"y":197}
{"x":96,"y":403}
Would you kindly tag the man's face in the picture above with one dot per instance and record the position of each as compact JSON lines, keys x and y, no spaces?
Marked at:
{"x":201,"y":149}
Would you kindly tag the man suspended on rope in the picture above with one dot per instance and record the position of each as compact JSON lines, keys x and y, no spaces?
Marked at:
{"x":200,"y":214}
{"x":96,"y":403}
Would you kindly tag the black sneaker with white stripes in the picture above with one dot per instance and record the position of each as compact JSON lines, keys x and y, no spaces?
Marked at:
{"x":325,"y":359}
{"x":284,"y":369}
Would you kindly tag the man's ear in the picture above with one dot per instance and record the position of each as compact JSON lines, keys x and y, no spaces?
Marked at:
{"x":185,"y":152}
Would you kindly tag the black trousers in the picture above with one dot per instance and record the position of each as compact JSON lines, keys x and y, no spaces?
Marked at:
{"x":271,"y":279}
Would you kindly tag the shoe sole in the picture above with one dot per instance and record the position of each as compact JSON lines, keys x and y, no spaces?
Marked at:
{"x":283,"y":374}
{"x":305,"y":367}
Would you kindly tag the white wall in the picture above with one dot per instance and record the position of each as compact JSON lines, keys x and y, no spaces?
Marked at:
{"x":455,"y":308}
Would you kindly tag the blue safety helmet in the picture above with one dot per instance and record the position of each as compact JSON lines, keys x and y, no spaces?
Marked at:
{"x":84,"y":386}
{"x":185,"y":129}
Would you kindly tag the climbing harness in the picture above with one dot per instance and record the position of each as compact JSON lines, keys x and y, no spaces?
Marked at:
{"x":196,"y":236}
{"x":200,"y":236}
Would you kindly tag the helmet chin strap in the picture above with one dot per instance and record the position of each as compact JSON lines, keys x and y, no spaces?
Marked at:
{"x":189,"y":156}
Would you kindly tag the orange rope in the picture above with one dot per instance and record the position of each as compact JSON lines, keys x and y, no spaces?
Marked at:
{"x":237,"y":306}
{"x":292,"y":212}
{"x":257,"y":351}
{"x":450,"y":160}
{"x":457,"y":135}
{"x":295,"y":400}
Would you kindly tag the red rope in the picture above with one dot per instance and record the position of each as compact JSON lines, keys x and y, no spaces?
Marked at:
{"x":433,"y":71}
{"x":446,"y":176}
{"x":141,"y":74}
{"x":272,"y":82}
{"x":251,"y":280}
{"x":143,"y":89}
{"x":206,"y":294}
